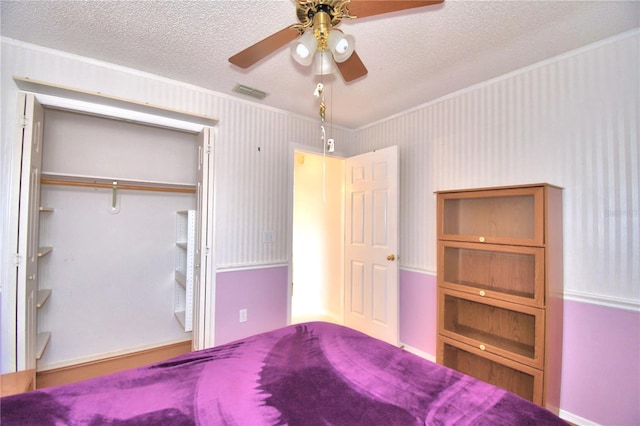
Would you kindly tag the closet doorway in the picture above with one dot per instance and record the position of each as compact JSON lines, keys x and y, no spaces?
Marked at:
{"x":106,"y":215}
{"x":317,"y":238}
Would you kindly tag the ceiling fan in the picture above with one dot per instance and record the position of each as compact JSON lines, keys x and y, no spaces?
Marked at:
{"x":316,"y":37}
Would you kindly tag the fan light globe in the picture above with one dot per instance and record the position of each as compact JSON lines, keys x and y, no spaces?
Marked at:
{"x":342,"y":46}
{"x":302,"y":52}
{"x":323,"y":63}
{"x":302,"y":48}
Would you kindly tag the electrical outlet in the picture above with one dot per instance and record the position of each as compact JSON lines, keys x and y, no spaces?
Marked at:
{"x":243,"y":315}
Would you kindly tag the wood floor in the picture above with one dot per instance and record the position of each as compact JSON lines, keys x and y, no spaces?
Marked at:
{"x":76,"y":373}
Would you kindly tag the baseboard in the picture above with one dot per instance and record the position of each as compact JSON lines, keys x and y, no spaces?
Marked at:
{"x":418,"y":352}
{"x":576,"y":420}
{"x":87,"y":370}
{"x":17,"y":382}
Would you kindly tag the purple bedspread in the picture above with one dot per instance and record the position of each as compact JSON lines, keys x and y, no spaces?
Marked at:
{"x":307,"y":374}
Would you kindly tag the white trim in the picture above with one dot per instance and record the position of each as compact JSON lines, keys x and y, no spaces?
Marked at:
{"x":418,"y":352}
{"x":597,"y":299}
{"x":119,"y":113}
{"x":146,"y":75}
{"x":575,"y":296}
{"x":418,"y":270}
{"x":576,"y":420}
{"x":565,"y":55}
{"x":131,"y":112}
{"x":238,"y":268}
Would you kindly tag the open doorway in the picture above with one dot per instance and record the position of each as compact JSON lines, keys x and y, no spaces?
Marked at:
{"x":317,"y":269}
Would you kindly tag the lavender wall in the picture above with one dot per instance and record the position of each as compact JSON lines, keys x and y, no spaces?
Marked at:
{"x":418,"y":306}
{"x":262,"y":292}
{"x":601,"y":363}
{"x":601,"y":351}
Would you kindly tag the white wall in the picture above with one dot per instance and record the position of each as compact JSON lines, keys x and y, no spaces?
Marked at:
{"x":252,"y":148}
{"x":111,"y":273}
{"x":572,"y":121}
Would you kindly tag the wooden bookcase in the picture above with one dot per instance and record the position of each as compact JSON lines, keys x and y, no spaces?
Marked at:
{"x":500,"y":287}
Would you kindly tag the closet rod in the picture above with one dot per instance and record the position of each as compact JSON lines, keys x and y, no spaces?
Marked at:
{"x":118,"y":186}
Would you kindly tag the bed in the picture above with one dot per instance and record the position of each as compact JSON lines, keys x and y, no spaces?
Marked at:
{"x":307,"y":374}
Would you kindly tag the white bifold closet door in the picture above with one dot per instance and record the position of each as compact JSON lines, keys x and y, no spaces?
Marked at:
{"x":30,"y":131}
{"x":204,"y":276}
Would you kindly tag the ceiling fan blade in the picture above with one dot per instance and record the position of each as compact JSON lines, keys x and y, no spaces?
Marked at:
{"x":364,"y":8}
{"x":352,"y":68}
{"x":264,"y":48}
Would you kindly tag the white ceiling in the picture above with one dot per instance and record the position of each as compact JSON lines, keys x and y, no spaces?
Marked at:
{"x":412,"y":56}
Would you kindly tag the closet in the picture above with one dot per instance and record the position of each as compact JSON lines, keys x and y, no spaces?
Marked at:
{"x":105,"y":205}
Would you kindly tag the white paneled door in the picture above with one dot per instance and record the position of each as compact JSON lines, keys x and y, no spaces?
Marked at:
{"x":371,"y":244}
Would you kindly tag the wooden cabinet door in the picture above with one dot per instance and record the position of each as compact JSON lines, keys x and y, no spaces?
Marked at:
{"x":520,"y":379}
{"x":506,"y":216}
{"x":503,"y":328}
{"x":512,"y":273}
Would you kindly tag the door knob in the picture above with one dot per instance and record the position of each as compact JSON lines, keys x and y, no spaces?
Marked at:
{"x":391,"y":257}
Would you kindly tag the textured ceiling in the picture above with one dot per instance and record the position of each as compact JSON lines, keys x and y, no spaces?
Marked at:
{"x":412,"y":56}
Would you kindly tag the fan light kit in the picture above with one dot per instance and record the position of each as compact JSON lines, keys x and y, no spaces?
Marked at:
{"x":316,"y":40}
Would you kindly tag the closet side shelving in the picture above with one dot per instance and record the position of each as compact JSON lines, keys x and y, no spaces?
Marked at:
{"x":184,"y":268}
{"x":42,"y":296}
{"x":42,"y":341}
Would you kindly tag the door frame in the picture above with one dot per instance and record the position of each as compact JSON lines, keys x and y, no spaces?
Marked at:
{"x":95,"y":104}
{"x":293,"y":148}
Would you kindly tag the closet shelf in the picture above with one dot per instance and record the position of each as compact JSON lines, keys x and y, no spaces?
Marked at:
{"x":41,"y":343}
{"x":182,"y":245}
{"x":51,"y":178}
{"x":180,"y":316}
{"x":43,"y":296}
{"x":43,"y":251}
{"x":181,"y":279}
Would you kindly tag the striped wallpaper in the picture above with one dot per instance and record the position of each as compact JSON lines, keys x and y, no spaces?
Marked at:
{"x":252,"y":145}
{"x":571,"y":121}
